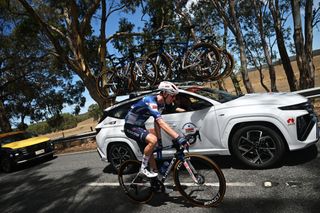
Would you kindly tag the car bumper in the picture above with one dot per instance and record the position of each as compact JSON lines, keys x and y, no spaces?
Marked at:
{"x":27,"y":159}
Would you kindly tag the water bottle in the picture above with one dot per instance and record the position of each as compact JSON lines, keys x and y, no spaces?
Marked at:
{"x":164,"y":167}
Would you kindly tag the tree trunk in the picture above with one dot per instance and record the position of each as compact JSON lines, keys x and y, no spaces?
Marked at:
{"x":265,"y":47}
{"x":310,"y":69}
{"x":243,"y":56}
{"x":299,"y":43}
{"x":281,"y":46}
{"x":74,"y":38}
{"x":5,"y":125}
{"x":236,"y":84}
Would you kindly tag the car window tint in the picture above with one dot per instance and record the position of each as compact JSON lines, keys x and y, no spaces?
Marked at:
{"x":15,"y":137}
{"x":188,"y":103}
{"x":121,"y":111}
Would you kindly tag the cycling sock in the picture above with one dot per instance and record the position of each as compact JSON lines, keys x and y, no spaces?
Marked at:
{"x":145,"y":161}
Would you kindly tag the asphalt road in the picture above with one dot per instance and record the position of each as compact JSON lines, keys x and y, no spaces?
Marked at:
{"x":82,"y":183}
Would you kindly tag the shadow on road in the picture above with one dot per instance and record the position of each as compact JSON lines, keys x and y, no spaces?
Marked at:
{"x":293,"y":158}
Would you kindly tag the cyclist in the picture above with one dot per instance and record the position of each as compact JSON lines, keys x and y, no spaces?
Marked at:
{"x":134,"y":127}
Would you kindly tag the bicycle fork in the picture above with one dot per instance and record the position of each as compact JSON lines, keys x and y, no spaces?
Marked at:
{"x":191,"y":170}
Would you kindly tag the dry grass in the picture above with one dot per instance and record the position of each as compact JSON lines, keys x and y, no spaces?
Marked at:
{"x":82,"y":127}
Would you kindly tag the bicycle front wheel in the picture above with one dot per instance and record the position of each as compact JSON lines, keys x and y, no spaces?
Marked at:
{"x":106,"y":84}
{"x":204,"y":184}
{"x":137,"y":188}
{"x":144,"y":74}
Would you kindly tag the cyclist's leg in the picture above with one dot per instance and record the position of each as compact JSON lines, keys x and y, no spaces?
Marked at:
{"x":151,"y":141}
{"x":146,"y":142}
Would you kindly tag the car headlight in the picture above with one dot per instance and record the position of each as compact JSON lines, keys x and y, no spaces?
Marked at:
{"x":303,"y":106}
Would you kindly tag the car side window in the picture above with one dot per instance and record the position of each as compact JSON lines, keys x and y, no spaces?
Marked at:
{"x":188,"y":103}
{"x":121,"y":111}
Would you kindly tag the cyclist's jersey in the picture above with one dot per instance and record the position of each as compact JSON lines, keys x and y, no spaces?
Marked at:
{"x":143,"y":109}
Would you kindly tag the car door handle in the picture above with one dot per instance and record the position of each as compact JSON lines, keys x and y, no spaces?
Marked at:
{"x":172,"y":124}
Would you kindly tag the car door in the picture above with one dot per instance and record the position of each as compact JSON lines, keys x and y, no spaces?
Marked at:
{"x":199,"y":120}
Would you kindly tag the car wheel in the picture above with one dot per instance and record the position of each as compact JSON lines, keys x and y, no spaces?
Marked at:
{"x":119,"y":153}
{"x":6,"y":164}
{"x":257,"y":146}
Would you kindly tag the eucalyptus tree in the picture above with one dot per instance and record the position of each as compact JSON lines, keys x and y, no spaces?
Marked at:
{"x":257,"y":20}
{"x":32,"y":82}
{"x":279,"y":12}
{"x":303,"y":41}
{"x":227,"y":10}
{"x":210,"y":26}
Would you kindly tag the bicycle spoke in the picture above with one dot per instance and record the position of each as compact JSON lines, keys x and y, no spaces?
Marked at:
{"x":209,"y":187}
{"x":136,"y":187}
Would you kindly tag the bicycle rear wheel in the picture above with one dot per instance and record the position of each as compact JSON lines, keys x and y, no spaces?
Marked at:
{"x":162,"y":64}
{"x":144,"y":73}
{"x":137,"y":188}
{"x":203,"y":61}
{"x":211,"y":186}
{"x":227,"y":66}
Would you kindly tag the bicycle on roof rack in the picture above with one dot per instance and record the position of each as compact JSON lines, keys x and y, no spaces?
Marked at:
{"x":227,"y":61}
{"x":126,"y":74}
{"x":196,"y":177}
{"x":199,"y":61}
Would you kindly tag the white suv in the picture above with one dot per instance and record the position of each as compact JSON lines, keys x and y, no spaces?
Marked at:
{"x":257,"y":129}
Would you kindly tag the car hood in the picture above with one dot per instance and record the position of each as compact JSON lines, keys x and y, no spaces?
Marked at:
{"x":280,"y":99}
{"x":25,"y":143}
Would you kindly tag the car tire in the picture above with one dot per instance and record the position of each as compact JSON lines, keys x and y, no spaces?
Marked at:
{"x":119,"y":153}
{"x":257,"y":146}
{"x":6,"y":164}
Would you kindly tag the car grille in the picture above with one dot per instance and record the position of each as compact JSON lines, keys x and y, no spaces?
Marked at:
{"x":36,"y":147}
{"x":306,"y":122}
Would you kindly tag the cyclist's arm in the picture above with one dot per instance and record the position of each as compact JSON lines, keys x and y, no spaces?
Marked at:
{"x":163,"y":125}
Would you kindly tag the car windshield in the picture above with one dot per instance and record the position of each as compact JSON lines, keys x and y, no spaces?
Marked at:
{"x":15,"y":137}
{"x":217,"y":95}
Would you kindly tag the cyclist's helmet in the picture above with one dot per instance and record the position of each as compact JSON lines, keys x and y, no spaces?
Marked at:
{"x":168,"y":87}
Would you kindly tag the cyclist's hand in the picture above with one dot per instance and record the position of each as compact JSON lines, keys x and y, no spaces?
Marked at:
{"x":182,"y":141}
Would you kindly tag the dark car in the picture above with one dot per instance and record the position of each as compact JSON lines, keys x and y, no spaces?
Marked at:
{"x":20,"y":147}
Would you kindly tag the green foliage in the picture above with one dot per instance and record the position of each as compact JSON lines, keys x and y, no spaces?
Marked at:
{"x":95,"y":111}
{"x":33,"y":82}
{"x":58,"y":123}
{"x":39,"y":128}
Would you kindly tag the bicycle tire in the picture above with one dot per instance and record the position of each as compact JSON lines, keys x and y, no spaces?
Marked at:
{"x":230,"y":65}
{"x":163,"y":65}
{"x":202,"y":61}
{"x":105,"y":85}
{"x":139,"y":191}
{"x":144,"y":73}
{"x":227,"y":65}
{"x":211,"y":189}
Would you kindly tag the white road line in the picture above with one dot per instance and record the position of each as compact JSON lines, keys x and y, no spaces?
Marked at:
{"x":187,"y":184}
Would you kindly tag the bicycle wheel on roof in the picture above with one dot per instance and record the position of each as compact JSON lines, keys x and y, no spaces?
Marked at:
{"x":106,"y":84}
{"x":144,"y":73}
{"x":202,"y":61}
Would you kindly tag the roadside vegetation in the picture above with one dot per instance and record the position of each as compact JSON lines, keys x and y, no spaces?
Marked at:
{"x":64,"y":121}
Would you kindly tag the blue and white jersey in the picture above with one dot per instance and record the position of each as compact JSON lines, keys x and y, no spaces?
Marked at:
{"x":143,"y":109}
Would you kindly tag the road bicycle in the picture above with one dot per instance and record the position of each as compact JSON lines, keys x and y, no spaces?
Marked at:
{"x":198,"y":61}
{"x":196,"y":177}
{"x":227,"y":61}
{"x":126,"y":74}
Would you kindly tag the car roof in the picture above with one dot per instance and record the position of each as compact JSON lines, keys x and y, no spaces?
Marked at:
{"x":3,"y":135}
